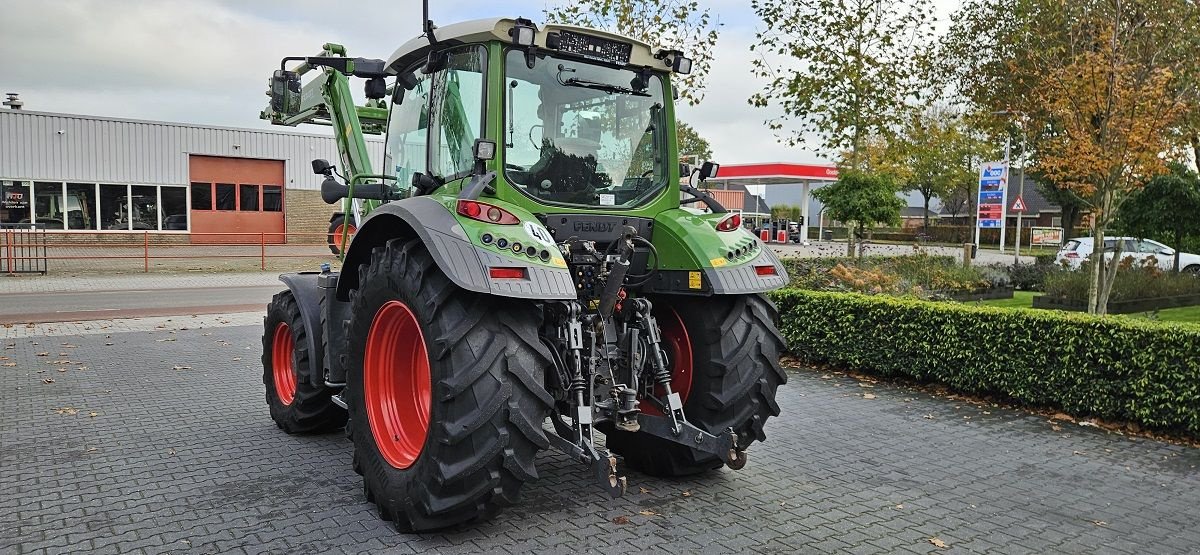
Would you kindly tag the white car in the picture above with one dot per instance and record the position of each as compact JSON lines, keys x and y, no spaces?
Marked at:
{"x":1075,"y":251}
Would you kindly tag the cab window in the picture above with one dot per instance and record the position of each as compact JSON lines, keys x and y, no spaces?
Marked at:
{"x":457,"y":98}
{"x":408,"y":131}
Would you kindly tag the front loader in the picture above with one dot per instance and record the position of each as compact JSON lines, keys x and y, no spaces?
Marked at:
{"x":530,"y":268}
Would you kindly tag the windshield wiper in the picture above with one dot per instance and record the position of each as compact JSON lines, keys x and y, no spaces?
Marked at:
{"x":610,"y":89}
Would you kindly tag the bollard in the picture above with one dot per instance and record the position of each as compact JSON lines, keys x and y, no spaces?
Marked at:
{"x":146,"y":251}
{"x":968,"y":253}
{"x":262,"y":244}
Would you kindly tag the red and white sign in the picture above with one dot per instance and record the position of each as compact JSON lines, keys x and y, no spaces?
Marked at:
{"x":1018,"y":205}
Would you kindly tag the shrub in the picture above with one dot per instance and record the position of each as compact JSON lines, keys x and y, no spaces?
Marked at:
{"x":1028,"y":277}
{"x":1112,"y":368}
{"x":919,"y":275}
{"x":1132,"y":282}
{"x":1044,"y":259}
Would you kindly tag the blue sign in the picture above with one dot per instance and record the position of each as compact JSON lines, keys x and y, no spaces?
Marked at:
{"x":993,"y":179}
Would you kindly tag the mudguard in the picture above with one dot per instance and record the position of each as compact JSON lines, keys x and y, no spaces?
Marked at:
{"x":464,"y":263}
{"x":304,"y":288}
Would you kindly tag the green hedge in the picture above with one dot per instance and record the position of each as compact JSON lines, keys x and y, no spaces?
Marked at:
{"x":1111,"y":368}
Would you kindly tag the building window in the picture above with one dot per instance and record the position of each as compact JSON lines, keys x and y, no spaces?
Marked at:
{"x":114,"y":206}
{"x":202,"y":196}
{"x":248,"y":198}
{"x":143,"y":207}
{"x":226,"y":196}
{"x":1056,"y":221}
{"x":48,"y":204}
{"x":272,"y":198}
{"x":174,"y":208}
{"x":14,"y":201}
{"x":80,"y":208}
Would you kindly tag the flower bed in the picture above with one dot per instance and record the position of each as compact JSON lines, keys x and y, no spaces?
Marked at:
{"x":919,"y":275}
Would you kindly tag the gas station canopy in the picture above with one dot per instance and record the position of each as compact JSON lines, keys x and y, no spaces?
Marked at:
{"x":778,"y":173}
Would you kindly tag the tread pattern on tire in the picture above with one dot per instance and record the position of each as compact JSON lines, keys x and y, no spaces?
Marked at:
{"x":312,"y":410}
{"x":488,"y":398}
{"x":736,"y":371}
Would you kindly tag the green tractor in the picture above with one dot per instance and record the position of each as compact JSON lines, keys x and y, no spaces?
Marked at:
{"x":530,"y":270}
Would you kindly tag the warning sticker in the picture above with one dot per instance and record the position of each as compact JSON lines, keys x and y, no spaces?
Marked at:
{"x":694,"y":280}
{"x":718,"y":262}
{"x":608,"y":200}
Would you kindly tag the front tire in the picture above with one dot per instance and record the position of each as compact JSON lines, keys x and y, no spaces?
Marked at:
{"x":444,"y":391}
{"x":734,"y":355}
{"x":336,"y":227}
{"x":297,"y":406}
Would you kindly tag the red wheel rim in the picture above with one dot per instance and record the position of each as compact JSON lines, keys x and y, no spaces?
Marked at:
{"x":397,"y":385}
{"x":337,"y":235}
{"x":679,"y":352}
{"x":282,"y":347}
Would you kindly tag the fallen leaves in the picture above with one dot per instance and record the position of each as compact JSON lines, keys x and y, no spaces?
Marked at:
{"x":868,"y":395}
{"x":67,"y":411}
{"x":648,"y":512}
{"x":643,"y":490}
{"x":43,"y":354}
{"x":178,"y":367}
{"x":686,"y":493}
{"x":938,"y":543}
{"x":10,"y":364}
{"x":47,"y":380}
{"x":620,"y":520}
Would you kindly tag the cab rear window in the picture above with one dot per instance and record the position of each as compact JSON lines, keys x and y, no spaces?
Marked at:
{"x":1071,"y":245}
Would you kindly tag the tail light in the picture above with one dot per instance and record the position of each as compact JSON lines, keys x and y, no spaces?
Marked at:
{"x":765,"y":270}
{"x":1072,"y":255}
{"x":507,"y":273}
{"x":485,"y":212}
{"x":730,"y":223}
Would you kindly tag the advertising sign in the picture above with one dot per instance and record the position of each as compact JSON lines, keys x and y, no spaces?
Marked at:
{"x":993,"y":186}
{"x":15,"y":196}
{"x":1049,"y":236}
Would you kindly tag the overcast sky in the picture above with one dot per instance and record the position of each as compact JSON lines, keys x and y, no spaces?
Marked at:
{"x":207,"y":61}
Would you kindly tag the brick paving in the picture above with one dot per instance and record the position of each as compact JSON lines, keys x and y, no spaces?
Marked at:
{"x":159,"y":441}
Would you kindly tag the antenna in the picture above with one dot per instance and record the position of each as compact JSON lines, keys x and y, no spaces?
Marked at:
{"x":427,"y":26}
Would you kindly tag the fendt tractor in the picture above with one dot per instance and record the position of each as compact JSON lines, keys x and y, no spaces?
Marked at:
{"x":529,"y":269}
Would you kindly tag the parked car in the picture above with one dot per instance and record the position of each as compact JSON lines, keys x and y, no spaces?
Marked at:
{"x":1075,"y":251}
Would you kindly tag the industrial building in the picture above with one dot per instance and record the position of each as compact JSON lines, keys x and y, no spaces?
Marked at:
{"x":99,"y":176}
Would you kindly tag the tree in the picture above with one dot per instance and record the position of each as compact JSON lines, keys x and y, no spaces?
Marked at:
{"x":860,"y":200}
{"x":691,"y":143}
{"x":1098,"y":83}
{"x":1167,"y":205}
{"x":677,"y":24}
{"x":845,"y":67}
{"x":939,"y":154}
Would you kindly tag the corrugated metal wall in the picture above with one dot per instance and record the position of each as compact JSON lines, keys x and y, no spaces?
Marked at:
{"x":66,"y":147}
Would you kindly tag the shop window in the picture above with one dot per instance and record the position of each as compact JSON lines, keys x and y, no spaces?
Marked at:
{"x":226,"y":196}
{"x":14,"y":201}
{"x":272,"y":198}
{"x":248,"y":198}
{"x":80,"y":208}
{"x":202,"y":196}
{"x":48,"y":204}
{"x":174,"y":208}
{"x":114,"y":207}
{"x":144,"y":207}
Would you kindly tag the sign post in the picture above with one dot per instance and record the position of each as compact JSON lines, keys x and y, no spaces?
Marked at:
{"x":993,"y":192}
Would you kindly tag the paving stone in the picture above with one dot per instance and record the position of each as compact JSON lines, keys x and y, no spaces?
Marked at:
{"x":188,"y":460}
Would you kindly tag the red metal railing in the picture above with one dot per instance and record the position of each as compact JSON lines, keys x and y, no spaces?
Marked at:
{"x":152,"y":245}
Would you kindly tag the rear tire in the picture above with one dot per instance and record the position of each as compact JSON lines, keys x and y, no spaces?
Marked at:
{"x":335,"y":233}
{"x":297,"y":406}
{"x":735,"y":348}
{"x":470,"y":446}
{"x":1194,"y":269}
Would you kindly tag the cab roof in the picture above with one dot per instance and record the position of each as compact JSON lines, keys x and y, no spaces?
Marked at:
{"x":496,"y":28}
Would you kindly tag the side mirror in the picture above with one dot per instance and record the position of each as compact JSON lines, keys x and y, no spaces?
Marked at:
{"x":322,"y":167}
{"x":285,"y":92}
{"x":708,"y":170}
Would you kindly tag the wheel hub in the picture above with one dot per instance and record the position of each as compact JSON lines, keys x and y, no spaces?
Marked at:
{"x":282,"y":372}
{"x":397,"y":386}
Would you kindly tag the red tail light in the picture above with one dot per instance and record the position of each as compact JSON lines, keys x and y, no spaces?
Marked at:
{"x":1072,"y":255}
{"x":507,"y":273}
{"x":730,"y":223}
{"x":485,"y":212}
{"x":764,"y":270}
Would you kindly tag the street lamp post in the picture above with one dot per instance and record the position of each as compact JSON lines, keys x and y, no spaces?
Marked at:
{"x":1020,"y":185}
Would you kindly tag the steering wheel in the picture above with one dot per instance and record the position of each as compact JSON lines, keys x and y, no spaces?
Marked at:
{"x":508,"y":166}
{"x":647,"y":173}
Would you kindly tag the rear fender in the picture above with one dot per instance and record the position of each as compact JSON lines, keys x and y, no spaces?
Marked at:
{"x":304,"y":288}
{"x":466,"y":265}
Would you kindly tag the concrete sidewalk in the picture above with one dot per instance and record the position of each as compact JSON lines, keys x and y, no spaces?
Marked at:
{"x":134,"y":282}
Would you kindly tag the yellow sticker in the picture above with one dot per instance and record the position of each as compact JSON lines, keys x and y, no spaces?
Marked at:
{"x":693,"y":280}
{"x":717,"y":262}
{"x":558,"y":262}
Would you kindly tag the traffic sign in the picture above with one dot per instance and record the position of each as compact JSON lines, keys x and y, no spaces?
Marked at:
{"x":1018,"y":205}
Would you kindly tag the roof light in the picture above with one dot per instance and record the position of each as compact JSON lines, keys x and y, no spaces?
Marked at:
{"x":681,"y":65}
{"x":731,"y":222}
{"x":522,"y":32}
{"x":485,"y":212}
{"x":507,"y":273}
{"x":484,"y":149}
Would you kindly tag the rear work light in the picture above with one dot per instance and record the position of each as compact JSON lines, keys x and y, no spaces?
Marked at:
{"x":730,"y":223}
{"x":764,"y":270}
{"x":507,"y":273}
{"x":485,"y":212}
